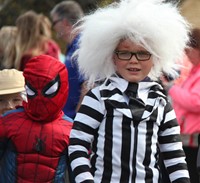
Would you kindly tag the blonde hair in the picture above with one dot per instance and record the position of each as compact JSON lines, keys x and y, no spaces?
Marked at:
{"x":32,"y":35}
{"x":45,"y":26}
{"x":7,"y":46}
{"x":155,"y":25}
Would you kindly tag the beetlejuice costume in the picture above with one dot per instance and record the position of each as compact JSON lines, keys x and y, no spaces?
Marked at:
{"x":125,"y":147}
{"x":34,"y":139}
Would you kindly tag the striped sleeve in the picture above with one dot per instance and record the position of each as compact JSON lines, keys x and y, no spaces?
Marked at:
{"x":171,"y":147}
{"x":85,"y":126}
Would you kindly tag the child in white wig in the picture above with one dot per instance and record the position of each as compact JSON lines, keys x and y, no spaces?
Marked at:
{"x":126,"y":121}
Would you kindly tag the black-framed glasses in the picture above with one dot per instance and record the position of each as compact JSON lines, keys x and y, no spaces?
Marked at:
{"x":127,"y":55}
{"x":56,"y":21}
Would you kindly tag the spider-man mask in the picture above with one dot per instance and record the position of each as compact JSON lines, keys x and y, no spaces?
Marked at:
{"x":46,"y":87}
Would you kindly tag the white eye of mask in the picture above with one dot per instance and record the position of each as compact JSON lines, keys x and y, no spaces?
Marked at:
{"x":29,"y":91}
{"x":52,"y":89}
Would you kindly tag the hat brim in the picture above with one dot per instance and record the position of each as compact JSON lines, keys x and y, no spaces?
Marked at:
{"x":11,"y":91}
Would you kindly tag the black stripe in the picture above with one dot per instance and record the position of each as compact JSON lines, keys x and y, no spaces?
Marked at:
{"x":78,"y":154}
{"x":180,"y":166}
{"x":126,"y":148}
{"x":116,"y":104}
{"x":180,"y":180}
{"x":173,"y":154}
{"x":81,"y":169}
{"x":92,"y":95}
{"x":106,"y":177}
{"x":155,"y":91}
{"x":149,"y":108}
{"x":135,"y":148}
{"x":94,"y":157}
{"x":148,"y":152}
{"x":90,"y":111}
{"x":168,"y":125}
{"x":84,"y":127}
{"x":169,"y":139}
{"x":93,"y":162}
{"x":107,"y":82}
{"x":75,"y":141}
{"x":110,"y":93}
{"x":88,"y":181}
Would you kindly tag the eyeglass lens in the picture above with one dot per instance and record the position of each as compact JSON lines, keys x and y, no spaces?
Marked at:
{"x":140,"y":56}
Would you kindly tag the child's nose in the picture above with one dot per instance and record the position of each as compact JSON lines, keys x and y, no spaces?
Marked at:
{"x":133,"y":59}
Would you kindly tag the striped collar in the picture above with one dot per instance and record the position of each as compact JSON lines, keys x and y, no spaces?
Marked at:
{"x":112,"y":91}
{"x":118,"y":83}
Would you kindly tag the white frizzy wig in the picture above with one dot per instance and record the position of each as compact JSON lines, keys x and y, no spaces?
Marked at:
{"x":155,"y":25}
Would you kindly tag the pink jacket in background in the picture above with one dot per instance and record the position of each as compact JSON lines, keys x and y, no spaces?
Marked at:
{"x":186,"y":102}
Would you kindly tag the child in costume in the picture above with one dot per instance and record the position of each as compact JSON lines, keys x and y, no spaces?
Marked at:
{"x":126,"y":120}
{"x":11,"y":89}
{"x":34,"y":139}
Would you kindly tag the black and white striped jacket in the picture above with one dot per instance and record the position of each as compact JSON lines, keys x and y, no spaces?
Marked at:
{"x":123,"y":151}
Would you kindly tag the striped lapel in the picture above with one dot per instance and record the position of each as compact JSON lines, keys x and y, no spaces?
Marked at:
{"x":111,"y":92}
{"x":156,"y":97}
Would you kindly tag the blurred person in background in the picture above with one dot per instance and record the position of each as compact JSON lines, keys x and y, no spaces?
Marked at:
{"x":12,"y":91}
{"x":33,"y":38}
{"x":184,"y":67}
{"x":186,"y":102}
{"x":46,"y":30}
{"x":8,"y":36}
{"x":64,"y":15}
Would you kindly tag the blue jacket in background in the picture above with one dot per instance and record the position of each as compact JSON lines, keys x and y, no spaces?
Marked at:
{"x":75,"y":79}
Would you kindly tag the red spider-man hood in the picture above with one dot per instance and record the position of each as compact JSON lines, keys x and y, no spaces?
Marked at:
{"x":46,"y":83}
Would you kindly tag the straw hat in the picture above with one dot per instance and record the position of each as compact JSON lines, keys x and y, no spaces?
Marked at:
{"x":11,"y":81}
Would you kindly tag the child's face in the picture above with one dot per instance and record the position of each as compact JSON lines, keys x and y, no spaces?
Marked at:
{"x":132,"y":69}
{"x":9,"y":101}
